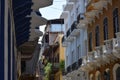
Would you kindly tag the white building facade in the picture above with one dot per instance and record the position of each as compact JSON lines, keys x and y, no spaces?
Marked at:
{"x":75,"y":38}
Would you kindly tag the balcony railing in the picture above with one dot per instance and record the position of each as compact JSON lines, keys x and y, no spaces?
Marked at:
{"x":111,"y":46}
{"x":73,"y":26}
{"x":103,"y":54}
{"x":98,"y":52}
{"x":69,"y":69}
{"x":75,"y":66}
{"x":91,"y":57}
{"x":117,"y":46}
{"x":118,"y":34}
{"x":69,"y":37}
{"x":108,"y":46}
{"x":74,"y":30}
{"x":78,"y":18}
{"x":80,"y":62}
{"x":64,"y":43}
{"x":68,"y":32}
{"x":55,"y":67}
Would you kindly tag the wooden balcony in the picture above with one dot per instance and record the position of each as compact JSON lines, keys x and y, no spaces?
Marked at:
{"x":27,"y":50}
{"x":27,"y":77}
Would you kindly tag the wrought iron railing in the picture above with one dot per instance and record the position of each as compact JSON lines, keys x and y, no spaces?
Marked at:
{"x":68,"y":32}
{"x":73,"y":26}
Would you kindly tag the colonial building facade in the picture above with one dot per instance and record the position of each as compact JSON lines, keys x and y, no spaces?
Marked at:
{"x":102,"y":61}
{"x":75,"y":38}
{"x":19,"y":33}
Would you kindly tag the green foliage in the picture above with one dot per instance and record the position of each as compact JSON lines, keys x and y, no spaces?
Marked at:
{"x":47,"y":70}
{"x":62,"y":65}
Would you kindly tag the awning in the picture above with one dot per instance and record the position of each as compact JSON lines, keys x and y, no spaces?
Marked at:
{"x":40,"y":4}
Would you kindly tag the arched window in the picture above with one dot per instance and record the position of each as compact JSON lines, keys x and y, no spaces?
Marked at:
{"x":97,"y":37}
{"x":115,"y":21}
{"x":105,"y":23}
{"x":118,"y":73}
{"x":107,"y":74}
{"x":90,"y":41}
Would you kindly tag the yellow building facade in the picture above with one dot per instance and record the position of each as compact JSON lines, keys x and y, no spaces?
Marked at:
{"x":59,"y":51}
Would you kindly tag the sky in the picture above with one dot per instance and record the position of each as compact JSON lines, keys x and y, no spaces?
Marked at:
{"x":52,"y":12}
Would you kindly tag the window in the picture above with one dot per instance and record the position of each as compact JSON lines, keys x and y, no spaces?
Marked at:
{"x":118,"y":73}
{"x":67,"y":60}
{"x":105,"y":23}
{"x":106,"y":75}
{"x":72,"y":59}
{"x":115,"y":21}
{"x":90,"y":41}
{"x":78,"y":52}
{"x":86,"y":49}
{"x":23,"y":66}
{"x":97,"y":36}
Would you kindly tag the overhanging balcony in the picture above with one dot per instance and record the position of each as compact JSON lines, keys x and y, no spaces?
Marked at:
{"x":100,"y":4}
{"x":74,"y":30}
{"x":40,"y":4}
{"x":69,"y":37}
{"x":84,"y":23}
{"x":27,"y":49}
{"x":108,"y":47}
{"x":64,"y":43}
{"x":111,"y":48}
{"x":116,"y":45}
